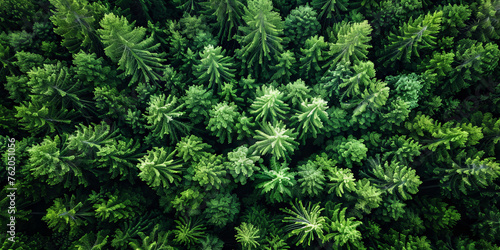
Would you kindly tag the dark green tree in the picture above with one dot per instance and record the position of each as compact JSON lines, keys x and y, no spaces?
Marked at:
{"x":260,"y":39}
{"x":127,"y":46}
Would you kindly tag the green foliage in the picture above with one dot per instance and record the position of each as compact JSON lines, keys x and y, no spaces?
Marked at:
{"x":223,"y":119}
{"x":413,"y":36}
{"x":192,"y":148}
{"x":214,"y":68}
{"x":188,"y":233}
{"x":348,"y":150}
{"x":156,"y":240}
{"x":277,"y":181}
{"x":131,"y":229}
{"x":67,"y":213}
{"x":92,"y":241}
{"x":438,"y":215}
{"x":340,"y":179}
{"x":75,"y":21}
{"x":473,"y":60}
{"x":329,"y":8}
{"x":394,"y":176}
{"x":285,"y":67}
{"x":240,"y":165}
{"x":301,"y":24}
{"x":472,"y":174}
{"x":116,"y":206}
{"x":90,"y":139}
{"x":342,"y":230}
{"x":311,"y":117}
{"x":455,"y":18}
{"x":222,"y":209}
{"x":276,"y":140}
{"x":487,"y":26}
{"x":368,"y":196}
{"x":229,"y":16}
{"x":407,"y":87}
{"x":55,"y":163}
{"x":363,"y":75}
{"x":487,"y":225}
{"x":228,"y":93}
{"x":210,"y":173}
{"x":247,"y":235}
{"x":126,"y":45}
{"x":313,"y":54}
{"x":159,"y":169}
{"x":164,"y":117}
{"x":311,"y":179}
{"x":198,"y":102}
{"x":296,"y":92}
{"x":188,"y":202}
{"x":352,"y":43}
{"x":212,"y":242}
{"x":305,"y":222}
{"x":269,"y":105}
{"x":260,"y":37}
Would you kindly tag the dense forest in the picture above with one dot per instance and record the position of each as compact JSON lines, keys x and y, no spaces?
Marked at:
{"x":250,"y":124}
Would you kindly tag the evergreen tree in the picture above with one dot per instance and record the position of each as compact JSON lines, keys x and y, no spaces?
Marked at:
{"x":76,"y":22}
{"x":127,"y":46}
{"x":260,"y":37}
{"x":214,"y":68}
{"x":413,"y":36}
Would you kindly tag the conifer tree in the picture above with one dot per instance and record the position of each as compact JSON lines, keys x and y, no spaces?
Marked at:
{"x":159,"y":168}
{"x":413,"y":36}
{"x":214,"y":68}
{"x":260,"y":39}
{"x":352,"y":43}
{"x":229,"y":17}
{"x":276,"y":140}
{"x":164,"y":117}
{"x":306,"y":222}
{"x":76,"y":22}
{"x":127,"y":46}
{"x":269,"y":105}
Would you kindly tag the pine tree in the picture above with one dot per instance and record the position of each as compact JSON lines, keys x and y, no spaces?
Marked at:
{"x":394,"y":176}
{"x":159,"y":169}
{"x":210,"y":173}
{"x":260,"y":40}
{"x":188,"y":233}
{"x":413,"y":36}
{"x":305,"y":222}
{"x":311,"y":179}
{"x":229,"y":17}
{"x":164,"y":117}
{"x":75,"y":21}
{"x":128,"y":47}
{"x":222,"y":209}
{"x":223,"y":118}
{"x":247,"y":235}
{"x":329,"y":8}
{"x":214,"y":68}
{"x":311,"y":117}
{"x":342,"y":230}
{"x":276,"y":140}
{"x":241,"y":166}
{"x":352,"y":43}
{"x":313,"y":55}
{"x":276,"y":181}
{"x":269,"y":105}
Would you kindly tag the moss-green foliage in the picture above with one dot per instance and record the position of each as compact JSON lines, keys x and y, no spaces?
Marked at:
{"x":250,"y":124}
